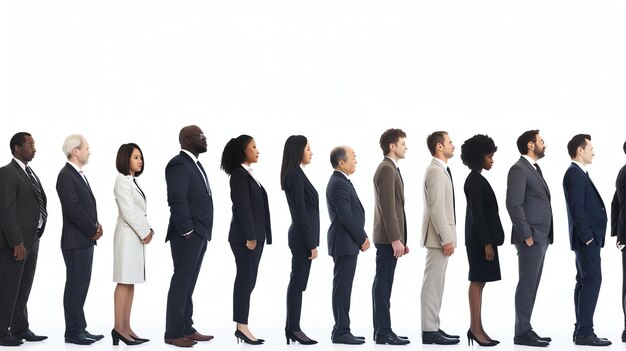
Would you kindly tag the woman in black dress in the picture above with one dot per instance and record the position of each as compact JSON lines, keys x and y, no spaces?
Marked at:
{"x":483,"y":230}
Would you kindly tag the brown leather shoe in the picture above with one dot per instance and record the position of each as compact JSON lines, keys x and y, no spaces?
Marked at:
{"x":180,"y":342}
{"x":199,"y":337}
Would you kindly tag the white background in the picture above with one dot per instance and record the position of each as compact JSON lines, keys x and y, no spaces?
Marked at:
{"x":339,"y":72}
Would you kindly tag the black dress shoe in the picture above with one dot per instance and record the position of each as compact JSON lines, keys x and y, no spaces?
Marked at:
{"x":449,"y":335}
{"x":96,"y":337}
{"x":391,"y":339}
{"x":359,"y":337}
{"x":436,"y":337}
{"x":542,"y":338}
{"x":591,"y":340}
{"x":624,"y":336}
{"x":28,"y":335}
{"x":347,"y":339}
{"x":10,"y":340}
{"x":529,"y":339}
{"x":79,"y":339}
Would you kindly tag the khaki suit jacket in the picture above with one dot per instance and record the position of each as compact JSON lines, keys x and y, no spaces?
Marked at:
{"x":438,"y":224}
{"x":389,"y":216}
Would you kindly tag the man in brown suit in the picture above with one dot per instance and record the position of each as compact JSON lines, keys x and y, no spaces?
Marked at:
{"x":389,"y":232}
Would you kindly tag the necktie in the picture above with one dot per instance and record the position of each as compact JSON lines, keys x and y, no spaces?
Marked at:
{"x":400,"y":174}
{"x":206,"y":179}
{"x":38,"y":193}
{"x":539,"y":170}
{"x":453,"y":196}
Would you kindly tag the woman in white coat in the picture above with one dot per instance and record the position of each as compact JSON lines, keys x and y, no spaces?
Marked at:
{"x":132,"y":233}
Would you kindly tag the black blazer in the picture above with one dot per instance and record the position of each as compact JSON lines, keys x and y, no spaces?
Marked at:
{"x":347,"y":217}
{"x":80,"y":217}
{"x":618,"y":207}
{"x":303,"y":204}
{"x":19,"y":208}
{"x":251,"y":213}
{"x":191,"y":204}
{"x":585,"y":209}
{"x":482,"y":222}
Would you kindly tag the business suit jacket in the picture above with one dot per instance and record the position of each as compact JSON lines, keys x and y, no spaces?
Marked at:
{"x":251,"y":213}
{"x":586,"y":213}
{"x":303,"y":202}
{"x":129,"y":253}
{"x":191,"y":204}
{"x":438,"y":224}
{"x":389,"y":216}
{"x":19,"y":208}
{"x":528,"y":204}
{"x":347,"y":217}
{"x":80,"y":216}
{"x":618,"y":207}
{"x":482,"y":222}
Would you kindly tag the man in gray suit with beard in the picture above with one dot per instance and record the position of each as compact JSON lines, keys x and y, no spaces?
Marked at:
{"x":528,"y":204}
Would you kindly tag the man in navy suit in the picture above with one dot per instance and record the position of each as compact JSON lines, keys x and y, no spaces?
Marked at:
{"x":587,"y":219}
{"x":22,"y":221}
{"x":346,"y":237}
{"x":191,"y":222}
{"x":81,"y":230}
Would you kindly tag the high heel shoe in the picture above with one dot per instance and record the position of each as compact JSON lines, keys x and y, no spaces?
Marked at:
{"x":117,"y":337}
{"x":300,"y":337}
{"x":142,"y":340}
{"x":242,"y":337}
{"x":471,"y":337}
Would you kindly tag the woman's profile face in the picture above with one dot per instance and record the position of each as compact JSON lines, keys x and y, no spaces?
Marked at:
{"x":488,"y":161}
{"x":252,"y":154}
{"x":306,"y":157}
{"x":136,"y":161}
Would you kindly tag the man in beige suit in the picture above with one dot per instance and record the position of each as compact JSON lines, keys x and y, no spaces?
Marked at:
{"x":438,"y":236}
{"x":389,"y":232}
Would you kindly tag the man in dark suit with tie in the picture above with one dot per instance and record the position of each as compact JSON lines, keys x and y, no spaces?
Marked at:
{"x":81,"y":230}
{"x":528,"y":204}
{"x":23,"y":218}
{"x":191,"y":222}
{"x":587,"y":228}
{"x":389,"y":232}
{"x":618,"y":229}
{"x":346,"y":237}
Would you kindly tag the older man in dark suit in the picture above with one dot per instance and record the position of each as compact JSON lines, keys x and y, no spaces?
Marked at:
{"x":81,"y":230}
{"x":346,"y":237}
{"x":528,"y":204}
{"x":587,"y":220}
{"x":23,"y":218}
{"x":191,"y":223}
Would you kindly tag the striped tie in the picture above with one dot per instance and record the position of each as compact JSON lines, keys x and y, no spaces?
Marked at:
{"x":38,"y":193}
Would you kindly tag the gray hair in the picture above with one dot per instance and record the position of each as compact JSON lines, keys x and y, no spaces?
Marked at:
{"x":339,"y":153}
{"x":72,"y":142}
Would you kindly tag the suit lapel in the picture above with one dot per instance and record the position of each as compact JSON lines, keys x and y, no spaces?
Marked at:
{"x":80,"y":178}
{"x":26,"y":178}
{"x":534,"y":171}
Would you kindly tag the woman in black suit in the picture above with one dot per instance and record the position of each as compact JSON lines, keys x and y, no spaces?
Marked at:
{"x":304,"y":232}
{"x":483,"y":230}
{"x":249,"y":228}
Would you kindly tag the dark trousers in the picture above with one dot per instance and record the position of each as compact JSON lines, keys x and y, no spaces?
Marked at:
{"x":381,"y":289}
{"x":78,"y":263}
{"x":300,"y":268}
{"x":588,"y":281}
{"x":530,"y":266}
{"x":624,"y":285}
{"x":247,"y":268}
{"x":17,"y":279}
{"x":187,"y":255}
{"x":345,"y":266}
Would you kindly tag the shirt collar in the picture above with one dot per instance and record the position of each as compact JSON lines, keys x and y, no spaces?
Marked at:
{"x":22,"y":164}
{"x":582,"y":166}
{"x":441,"y":162}
{"x":193,"y":157}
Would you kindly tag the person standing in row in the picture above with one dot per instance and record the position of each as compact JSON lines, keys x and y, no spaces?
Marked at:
{"x":587,"y":220}
{"x":528,"y":205}
{"x":390,"y":233}
{"x":81,"y":231}
{"x":618,"y":229}
{"x":249,"y":229}
{"x":346,"y":236}
{"x":483,"y":230}
{"x":438,"y":236}
{"x":304,"y":231}
{"x":23,"y":217}
{"x":132,"y":233}
{"x":191,"y":223}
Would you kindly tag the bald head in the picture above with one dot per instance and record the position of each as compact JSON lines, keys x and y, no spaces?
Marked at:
{"x":192,"y":139}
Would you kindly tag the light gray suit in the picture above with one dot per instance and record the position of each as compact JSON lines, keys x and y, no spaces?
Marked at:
{"x":528,"y":204}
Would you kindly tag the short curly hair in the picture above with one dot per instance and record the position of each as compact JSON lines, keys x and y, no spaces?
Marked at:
{"x":474,"y":150}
